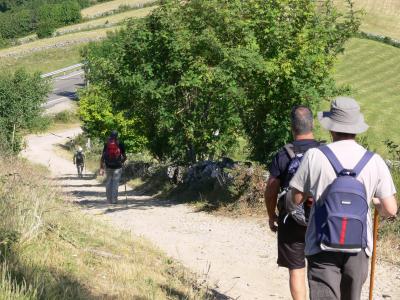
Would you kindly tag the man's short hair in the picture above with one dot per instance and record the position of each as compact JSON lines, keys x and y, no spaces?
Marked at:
{"x":301,"y":119}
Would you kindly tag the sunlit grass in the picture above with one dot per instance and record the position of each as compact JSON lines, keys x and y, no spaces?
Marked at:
{"x":110,"y":6}
{"x":372,"y":69}
{"x":43,"y":61}
{"x":381,"y":16}
{"x":51,"y":250}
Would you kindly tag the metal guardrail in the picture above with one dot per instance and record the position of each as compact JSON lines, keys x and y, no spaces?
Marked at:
{"x":70,"y":68}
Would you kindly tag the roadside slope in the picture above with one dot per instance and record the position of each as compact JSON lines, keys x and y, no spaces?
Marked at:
{"x":237,"y":256}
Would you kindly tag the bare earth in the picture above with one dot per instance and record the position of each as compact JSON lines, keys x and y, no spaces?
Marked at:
{"x":236,"y":256}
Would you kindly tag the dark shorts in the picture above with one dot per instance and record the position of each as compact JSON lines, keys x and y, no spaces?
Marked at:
{"x":291,"y":243}
{"x":291,"y":255}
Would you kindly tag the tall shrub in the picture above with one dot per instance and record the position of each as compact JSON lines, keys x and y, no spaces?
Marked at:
{"x":21,"y":97}
{"x":198,"y":73}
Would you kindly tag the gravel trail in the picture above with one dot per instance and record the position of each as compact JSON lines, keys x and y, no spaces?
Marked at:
{"x":237,"y":257}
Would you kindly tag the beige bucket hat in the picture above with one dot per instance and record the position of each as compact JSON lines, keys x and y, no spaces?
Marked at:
{"x":345,"y":116}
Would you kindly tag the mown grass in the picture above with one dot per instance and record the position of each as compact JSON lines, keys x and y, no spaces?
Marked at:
{"x":372,"y":70}
{"x":111,"y":6}
{"x":106,"y":21}
{"x":51,"y":250}
{"x":381,"y":16}
{"x":43,"y":61}
{"x":56,"y":42}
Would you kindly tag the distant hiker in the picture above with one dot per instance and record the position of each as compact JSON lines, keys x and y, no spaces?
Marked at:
{"x":112,"y":160}
{"x":79,"y":160}
{"x":291,"y":220}
{"x":343,"y":177}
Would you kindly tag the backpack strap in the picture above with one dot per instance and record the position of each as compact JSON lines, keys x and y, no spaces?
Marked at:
{"x":362,"y":163}
{"x":290,"y":150}
{"x":337,"y":166}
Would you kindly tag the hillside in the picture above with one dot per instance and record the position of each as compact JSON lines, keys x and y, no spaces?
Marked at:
{"x":372,"y":70}
{"x":50,"y":249}
{"x":48,"y":54}
{"x":381,"y":16}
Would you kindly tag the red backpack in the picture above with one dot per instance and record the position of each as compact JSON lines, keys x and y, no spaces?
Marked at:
{"x":112,"y":155}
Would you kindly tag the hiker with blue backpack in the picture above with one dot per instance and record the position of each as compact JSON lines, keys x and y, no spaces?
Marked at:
{"x":112,"y":160}
{"x":343,"y":178}
{"x":291,"y":221}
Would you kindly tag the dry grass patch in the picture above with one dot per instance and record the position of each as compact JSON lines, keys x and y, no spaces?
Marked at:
{"x":56,"y":42}
{"x":43,"y":61}
{"x":51,"y":250}
{"x":111,"y":6}
{"x":106,"y":21}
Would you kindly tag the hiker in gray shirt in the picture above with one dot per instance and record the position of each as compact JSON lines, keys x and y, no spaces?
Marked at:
{"x":337,"y":270}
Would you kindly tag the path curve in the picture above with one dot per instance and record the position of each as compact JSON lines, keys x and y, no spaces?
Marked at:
{"x":236,"y":256}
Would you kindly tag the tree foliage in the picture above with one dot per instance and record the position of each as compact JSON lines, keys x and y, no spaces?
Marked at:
{"x":99,"y":119}
{"x":21,"y":98}
{"x":24,"y":17}
{"x":197,"y":74}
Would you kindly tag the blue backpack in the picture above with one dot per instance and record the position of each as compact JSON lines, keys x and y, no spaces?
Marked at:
{"x":341,"y":213}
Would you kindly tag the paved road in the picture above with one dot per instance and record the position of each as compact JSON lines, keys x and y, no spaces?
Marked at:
{"x":65,"y":87}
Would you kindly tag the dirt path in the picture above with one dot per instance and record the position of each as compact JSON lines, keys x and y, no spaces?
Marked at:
{"x":234,"y":255}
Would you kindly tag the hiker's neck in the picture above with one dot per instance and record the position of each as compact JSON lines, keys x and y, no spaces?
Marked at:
{"x":306,"y":136}
{"x":336,"y":137}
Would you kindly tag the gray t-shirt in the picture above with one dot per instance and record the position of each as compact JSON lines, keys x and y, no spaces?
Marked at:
{"x":316,"y":173}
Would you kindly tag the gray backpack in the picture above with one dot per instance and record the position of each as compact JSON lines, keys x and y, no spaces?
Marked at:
{"x":296,"y":212}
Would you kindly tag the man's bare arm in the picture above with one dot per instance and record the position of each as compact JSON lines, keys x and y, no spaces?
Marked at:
{"x":298,"y":197}
{"x":271,"y":199}
{"x":387,"y":207}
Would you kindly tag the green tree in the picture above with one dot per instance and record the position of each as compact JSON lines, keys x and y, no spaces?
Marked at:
{"x":198,"y":74}
{"x":21,"y":99}
{"x":99,"y":120}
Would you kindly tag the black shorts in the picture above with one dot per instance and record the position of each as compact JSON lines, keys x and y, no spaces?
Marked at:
{"x":291,"y":255}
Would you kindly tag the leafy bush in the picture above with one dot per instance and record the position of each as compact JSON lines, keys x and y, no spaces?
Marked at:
{"x":45,"y":28}
{"x":21,"y":97}
{"x":99,"y":120}
{"x":16,"y":24}
{"x":30,"y":16}
{"x":196,"y":76}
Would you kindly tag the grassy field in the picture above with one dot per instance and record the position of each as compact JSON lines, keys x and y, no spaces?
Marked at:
{"x":63,"y":50}
{"x":106,"y":21}
{"x":372,"y":69}
{"x":51,"y":250}
{"x":56,"y":42}
{"x":43,"y":61}
{"x":108,"y":7}
{"x":381,"y":16}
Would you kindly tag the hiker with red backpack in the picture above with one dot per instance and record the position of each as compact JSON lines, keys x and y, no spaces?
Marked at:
{"x":343,"y":178}
{"x":291,"y":221}
{"x":112,"y":160}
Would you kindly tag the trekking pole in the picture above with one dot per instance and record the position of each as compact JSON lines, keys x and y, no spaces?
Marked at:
{"x":126,"y":195}
{"x":373,"y":259}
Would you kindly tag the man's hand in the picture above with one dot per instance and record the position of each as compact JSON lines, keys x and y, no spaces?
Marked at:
{"x":101,"y":171}
{"x":273,"y":223}
{"x":387,"y":207}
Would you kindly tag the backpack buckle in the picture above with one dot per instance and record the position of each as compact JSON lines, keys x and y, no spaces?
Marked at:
{"x":346,"y":172}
